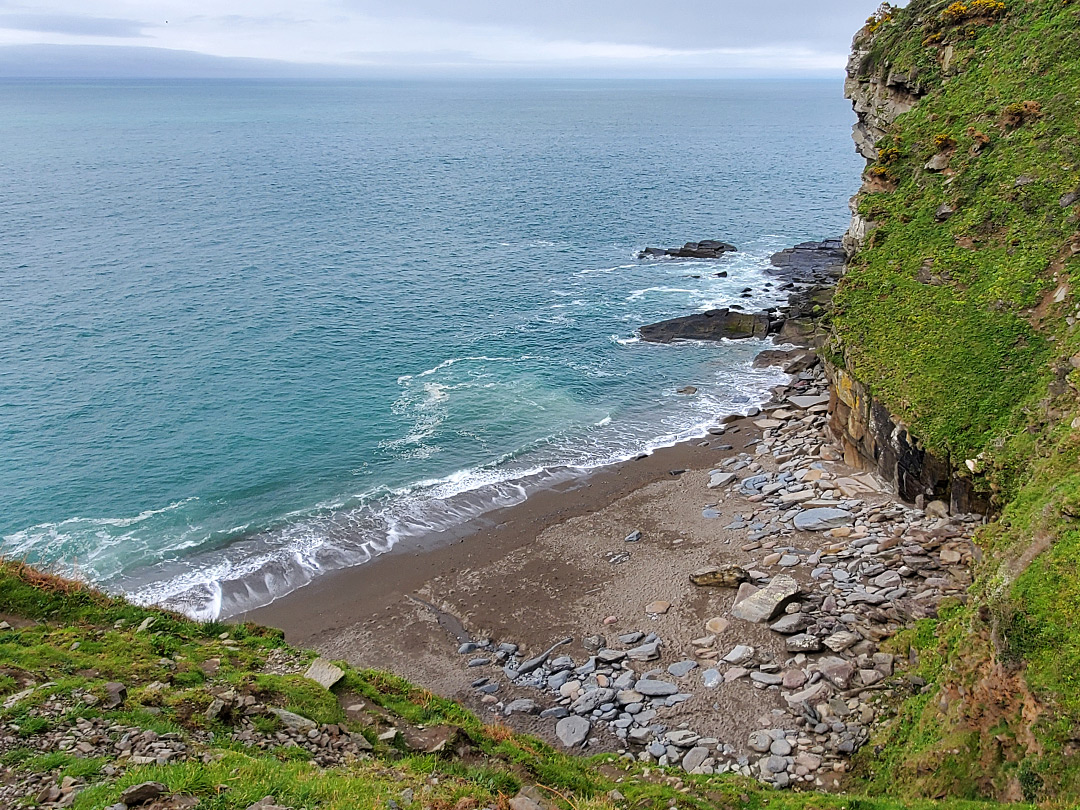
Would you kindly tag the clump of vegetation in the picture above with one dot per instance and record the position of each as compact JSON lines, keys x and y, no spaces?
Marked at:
{"x":960,"y":12}
{"x":1021,"y":112}
{"x":943,"y":141}
{"x":883,"y":14}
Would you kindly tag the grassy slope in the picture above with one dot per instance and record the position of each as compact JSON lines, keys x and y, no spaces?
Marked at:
{"x":111,"y":647}
{"x":976,"y":363}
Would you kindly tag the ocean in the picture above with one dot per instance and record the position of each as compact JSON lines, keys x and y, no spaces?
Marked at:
{"x":255,"y":331}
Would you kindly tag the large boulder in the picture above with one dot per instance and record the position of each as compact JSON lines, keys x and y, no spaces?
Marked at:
{"x":705,"y":249}
{"x":716,"y":324}
{"x":762,"y":605}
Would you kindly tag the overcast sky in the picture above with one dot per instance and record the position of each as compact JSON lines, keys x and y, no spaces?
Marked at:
{"x":700,"y":38}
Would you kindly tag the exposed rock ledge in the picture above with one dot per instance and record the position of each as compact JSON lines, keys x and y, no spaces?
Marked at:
{"x":707,"y":249}
{"x":811,"y":270}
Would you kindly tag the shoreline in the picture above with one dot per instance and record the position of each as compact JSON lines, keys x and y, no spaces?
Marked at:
{"x":490,"y":535}
{"x":554,"y":618}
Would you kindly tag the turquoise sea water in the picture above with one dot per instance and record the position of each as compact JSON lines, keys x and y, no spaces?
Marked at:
{"x":253,"y":331}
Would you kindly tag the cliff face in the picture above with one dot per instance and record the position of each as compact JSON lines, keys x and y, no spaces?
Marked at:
{"x":877,"y":98}
{"x":955,"y":357}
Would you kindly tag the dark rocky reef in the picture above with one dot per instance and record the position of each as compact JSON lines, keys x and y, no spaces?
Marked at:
{"x":706,"y":249}
{"x":716,"y":324}
{"x":809,"y":270}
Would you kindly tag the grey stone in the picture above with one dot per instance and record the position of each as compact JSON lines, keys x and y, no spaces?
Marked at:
{"x":822,"y":518}
{"x":683,"y":738}
{"x":837,"y":671}
{"x":682,"y":668}
{"x":324,"y":673}
{"x":780,"y":748}
{"x":694,"y":757}
{"x":631,"y":638}
{"x":648,"y":651}
{"x":841,"y":640}
{"x":592,"y":700}
{"x":711,"y":678}
{"x":651,"y":688}
{"x":739,"y":654}
{"x":767,"y":678}
{"x":791,"y":623}
{"x":572,"y":731}
{"x":115,"y":694}
{"x":760,"y":741}
{"x":760,"y":607}
{"x":721,"y":479}
{"x":810,"y":695}
{"x":633,"y":537}
{"x":521,"y":706}
{"x":293,"y":721}
{"x":776,"y":764}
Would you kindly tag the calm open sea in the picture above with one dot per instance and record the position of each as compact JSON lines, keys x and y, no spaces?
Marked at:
{"x":254,"y":331}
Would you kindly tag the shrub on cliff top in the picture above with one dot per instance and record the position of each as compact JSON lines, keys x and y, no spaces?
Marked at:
{"x":960,"y":12}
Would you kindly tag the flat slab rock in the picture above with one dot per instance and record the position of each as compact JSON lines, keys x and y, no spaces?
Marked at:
{"x":324,"y":673}
{"x":572,"y":731}
{"x":716,"y":324}
{"x":760,"y":606}
{"x":822,"y":518}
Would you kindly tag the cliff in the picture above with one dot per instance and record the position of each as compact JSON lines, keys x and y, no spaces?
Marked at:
{"x":954,"y":356}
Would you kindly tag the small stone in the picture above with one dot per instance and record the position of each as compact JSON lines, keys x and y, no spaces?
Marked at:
{"x":822,"y":518}
{"x":840,"y":641}
{"x":572,"y":731}
{"x":727,"y":576}
{"x":804,"y":642}
{"x":780,"y":748}
{"x":682,"y":668}
{"x":658,"y":608}
{"x":142,"y":793}
{"x":776,"y":764}
{"x":739,"y":654}
{"x":760,"y":741}
{"x":651,"y":688}
{"x":115,"y":695}
{"x":521,"y":706}
{"x":716,"y":625}
{"x":711,"y":678}
{"x":694,"y":757}
{"x":293,"y":721}
{"x":645,"y":652}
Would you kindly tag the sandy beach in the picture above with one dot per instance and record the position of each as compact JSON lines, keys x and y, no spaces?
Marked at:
{"x":475,"y":616}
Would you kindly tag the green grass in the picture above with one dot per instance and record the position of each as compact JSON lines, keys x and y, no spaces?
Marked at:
{"x":499,"y":764}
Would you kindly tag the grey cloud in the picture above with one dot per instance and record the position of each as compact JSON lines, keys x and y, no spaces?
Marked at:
{"x":73,"y":24}
{"x":684,"y":24}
